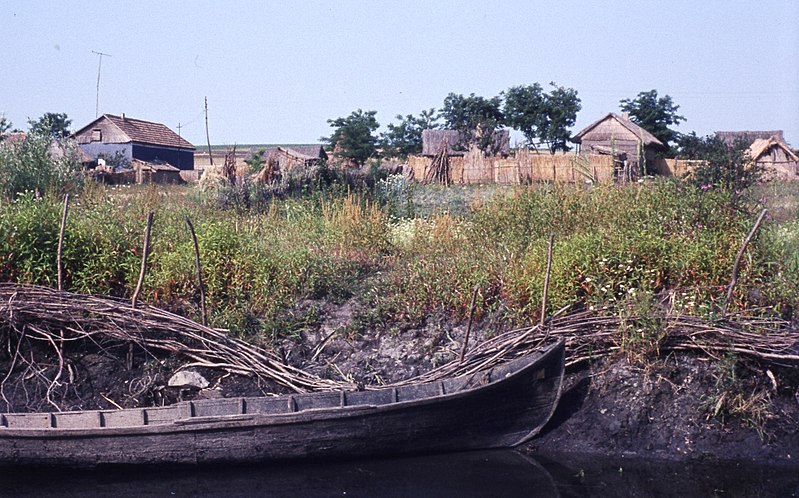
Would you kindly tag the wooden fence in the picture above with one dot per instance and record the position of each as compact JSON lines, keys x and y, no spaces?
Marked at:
{"x":521,"y":168}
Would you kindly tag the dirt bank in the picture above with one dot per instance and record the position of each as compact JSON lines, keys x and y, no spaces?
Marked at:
{"x":667,"y":411}
{"x":675,"y":407}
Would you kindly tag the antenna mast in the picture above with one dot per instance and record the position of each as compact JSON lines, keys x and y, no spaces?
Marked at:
{"x":99,"y":66}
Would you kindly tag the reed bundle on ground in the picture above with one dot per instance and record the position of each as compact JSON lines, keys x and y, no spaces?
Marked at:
{"x":592,"y":336}
{"x":55,"y":318}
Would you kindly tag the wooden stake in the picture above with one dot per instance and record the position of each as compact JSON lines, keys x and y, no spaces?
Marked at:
{"x":546,"y":279}
{"x":469,"y":326}
{"x":143,"y":270}
{"x":61,"y":243}
{"x":199,"y":272}
{"x":734,"y":276}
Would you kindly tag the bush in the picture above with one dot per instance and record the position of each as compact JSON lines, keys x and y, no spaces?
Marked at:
{"x":30,"y":166}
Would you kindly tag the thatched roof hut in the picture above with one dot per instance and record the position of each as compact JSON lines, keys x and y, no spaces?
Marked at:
{"x":618,"y":135}
{"x":280,"y":160}
{"x":434,"y":140}
{"x":776,"y":159}
{"x":748,"y":136}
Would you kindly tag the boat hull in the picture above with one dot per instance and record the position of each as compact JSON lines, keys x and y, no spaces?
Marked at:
{"x":477,"y":412}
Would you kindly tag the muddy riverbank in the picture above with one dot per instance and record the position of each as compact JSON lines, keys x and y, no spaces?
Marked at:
{"x":679,"y":406}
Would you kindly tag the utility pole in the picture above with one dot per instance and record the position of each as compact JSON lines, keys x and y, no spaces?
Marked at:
{"x":207,"y":136}
{"x":99,"y":66}
{"x":180,"y":137}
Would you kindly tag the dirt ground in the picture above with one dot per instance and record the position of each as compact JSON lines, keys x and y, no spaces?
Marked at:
{"x":612,"y":408}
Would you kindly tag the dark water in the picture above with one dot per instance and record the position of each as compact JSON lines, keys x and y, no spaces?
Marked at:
{"x":492,"y":474}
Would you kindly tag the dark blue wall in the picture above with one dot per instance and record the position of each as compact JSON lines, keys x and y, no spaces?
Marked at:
{"x":179,"y":158}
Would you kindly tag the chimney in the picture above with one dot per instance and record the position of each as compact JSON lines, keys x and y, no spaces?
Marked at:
{"x":625,"y":115}
{"x":123,"y":116}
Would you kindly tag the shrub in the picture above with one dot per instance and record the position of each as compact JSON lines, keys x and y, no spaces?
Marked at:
{"x":30,"y":166}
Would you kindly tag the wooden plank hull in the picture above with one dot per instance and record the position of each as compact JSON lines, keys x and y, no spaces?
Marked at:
{"x":502,"y":407}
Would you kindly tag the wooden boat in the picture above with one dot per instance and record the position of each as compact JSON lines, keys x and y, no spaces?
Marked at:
{"x":499,"y":407}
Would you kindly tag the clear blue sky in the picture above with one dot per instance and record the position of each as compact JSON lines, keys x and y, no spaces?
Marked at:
{"x":275,"y":72}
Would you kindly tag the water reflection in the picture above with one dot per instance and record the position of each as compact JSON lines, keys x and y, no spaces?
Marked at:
{"x":494,"y":473}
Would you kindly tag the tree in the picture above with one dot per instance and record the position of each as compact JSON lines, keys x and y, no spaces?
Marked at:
{"x":655,"y":115}
{"x":352,"y":137}
{"x":524,"y":108}
{"x":723,"y":166}
{"x":561,"y":108}
{"x":5,"y":125}
{"x":52,"y":124}
{"x":541,"y":117}
{"x":405,"y":137}
{"x":256,"y":160}
{"x":475,"y":118}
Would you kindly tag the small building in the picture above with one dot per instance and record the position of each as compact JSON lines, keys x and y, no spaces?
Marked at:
{"x":776,"y":159}
{"x":433,"y":141}
{"x":281,"y":160}
{"x":619,"y":136}
{"x":292,"y":155}
{"x":155,"y":172}
{"x":748,"y":136}
{"x":122,"y":139}
{"x":68,"y":148}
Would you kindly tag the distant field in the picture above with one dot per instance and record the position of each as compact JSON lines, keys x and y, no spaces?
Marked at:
{"x":222,"y":148}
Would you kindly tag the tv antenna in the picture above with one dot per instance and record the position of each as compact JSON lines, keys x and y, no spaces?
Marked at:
{"x":99,"y":66}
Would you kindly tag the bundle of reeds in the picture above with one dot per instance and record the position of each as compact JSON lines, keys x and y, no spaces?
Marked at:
{"x":55,"y":317}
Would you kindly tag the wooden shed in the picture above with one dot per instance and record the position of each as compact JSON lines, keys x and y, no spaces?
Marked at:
{"x":618,"y":135}
{"x":776,"y":159}
{"x":434,"y":140}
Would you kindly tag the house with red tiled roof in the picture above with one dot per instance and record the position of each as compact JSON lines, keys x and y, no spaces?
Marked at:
{"x":122,"y":139}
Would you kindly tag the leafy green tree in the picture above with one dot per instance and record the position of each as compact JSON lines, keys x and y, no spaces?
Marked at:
{"x":405,"y":137}
{"x":561,"y":107}
{"x":256,"y":160}
{"x":5,"y":125}
{"x":353,"y":136}
{"x":475,"y":118}
{"x":52,"y":124}
{"x":524,"y":108}
{"x":723,"y":166}
{"x":655,"y":115}
{"x":542,"y":117}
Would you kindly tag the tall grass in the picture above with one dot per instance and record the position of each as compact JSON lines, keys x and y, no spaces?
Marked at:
{"x":614,"y":247}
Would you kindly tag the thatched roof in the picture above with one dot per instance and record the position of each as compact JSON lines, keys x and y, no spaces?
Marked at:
{"x":762,"y":145}
{"x":306,"y":153}
{"x":749,"y":136}
{"x":615,"y":126}
{"x":433,"y":141}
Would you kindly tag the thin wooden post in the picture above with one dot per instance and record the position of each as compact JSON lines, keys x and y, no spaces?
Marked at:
{"x":546,"y":279}
{"x":199,"y":271}
{"x":146,"y":252}
{"x":469,"y":325}
{"x":734,"y":276}
{"x":207,"y":135}
{"x":61,"y":243}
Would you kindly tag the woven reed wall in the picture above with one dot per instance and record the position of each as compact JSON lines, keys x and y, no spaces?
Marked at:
{"x":524,"y":167}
